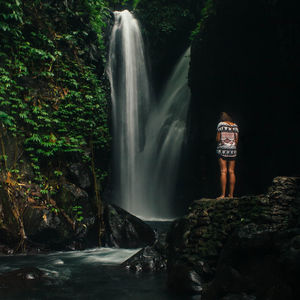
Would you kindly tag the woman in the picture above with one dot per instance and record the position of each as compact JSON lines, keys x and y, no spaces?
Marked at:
{"x":227,"y":139}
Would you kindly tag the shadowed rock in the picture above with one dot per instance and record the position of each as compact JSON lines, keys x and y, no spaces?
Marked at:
{"x":240,"y":247}
{"x":146,"y":260}
{"x":124,"y":230}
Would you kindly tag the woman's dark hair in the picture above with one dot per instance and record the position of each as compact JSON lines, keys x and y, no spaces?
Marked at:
{"x":225,"y":117}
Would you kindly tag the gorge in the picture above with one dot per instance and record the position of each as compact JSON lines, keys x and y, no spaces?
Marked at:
{"x":117,"y":101}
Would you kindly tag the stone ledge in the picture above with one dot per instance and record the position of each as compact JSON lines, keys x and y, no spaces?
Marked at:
{"x":198,"y":238}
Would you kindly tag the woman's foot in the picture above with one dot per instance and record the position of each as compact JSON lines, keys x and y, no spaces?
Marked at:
{"x":230,"y":196}
{"x":220,"y":197}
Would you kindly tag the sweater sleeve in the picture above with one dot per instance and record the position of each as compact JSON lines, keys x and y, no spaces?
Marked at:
{"x":219,"y":127}
{"x":236,"y":128}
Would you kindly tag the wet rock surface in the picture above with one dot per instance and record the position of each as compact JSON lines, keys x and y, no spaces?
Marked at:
{"x":184,"y":279}
{"x":258,"y":259}
{"x":21,"y":280}
{"x":49,"y":229}
{"x":242,"y":296}
{"x":147,"y":259}
{"x":241,"y":247}
{"x":151,"y":258}
{"x":80,"y":175}
{"x":124,"y":230}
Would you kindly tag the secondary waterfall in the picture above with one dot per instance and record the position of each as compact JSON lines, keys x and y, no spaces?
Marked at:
{"x":147,"y":134}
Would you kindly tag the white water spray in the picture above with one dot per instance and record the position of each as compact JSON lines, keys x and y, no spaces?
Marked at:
{"x":147,"y":138}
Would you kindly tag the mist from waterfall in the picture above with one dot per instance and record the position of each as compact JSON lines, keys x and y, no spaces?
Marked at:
{"x":147,"y":134}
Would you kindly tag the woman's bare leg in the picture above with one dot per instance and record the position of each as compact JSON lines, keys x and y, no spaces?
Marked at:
{"x":231,"y":166}
{"x":223,"y":176}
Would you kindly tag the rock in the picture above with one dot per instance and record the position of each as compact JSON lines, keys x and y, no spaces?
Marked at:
{"x":81,"y":175}
{"x":71,"y":196}
{"x":218,"y":81}
{"x":51,"y":230}
{"x":8,"y":240}
{"x":6,"y":250}
{"x":258,"y":259}
{"x":146,"y":260}
{"x":123,"y":230}
{"x":182,"y":278}
{"x":47,"y":229}
{"x":62,"y":226}
{"x":151,"y":258}
{"x":242,"y":296}
{"x":68,"y":223}
{"x":241,"y":244}
{"x":22,"y":279}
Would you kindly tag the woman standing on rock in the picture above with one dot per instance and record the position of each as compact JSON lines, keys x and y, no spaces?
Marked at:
{"x":227,"y":139}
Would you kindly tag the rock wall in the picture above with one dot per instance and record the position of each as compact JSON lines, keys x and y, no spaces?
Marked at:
{"x":228,"y":243}
{"x":244,"y":62}
{"x":166,"y":26}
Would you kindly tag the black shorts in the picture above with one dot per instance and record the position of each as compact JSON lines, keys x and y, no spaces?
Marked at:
{"x":226,"y":158}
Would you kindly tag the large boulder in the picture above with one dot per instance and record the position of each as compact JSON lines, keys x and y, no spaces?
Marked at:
{"x":70,"y":196}
{"x":147,"y":259}
{"x":53,"y":228}
{"x":124,"y":230}
{"x":228,"y":242}
{"x":47,"y":229}
{"x":81,"y":175}
{"x":259,"y":259}
{"x":184,"y":279}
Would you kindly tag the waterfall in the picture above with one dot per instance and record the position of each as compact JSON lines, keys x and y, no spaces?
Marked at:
{"x":165,"y":134}
{"x":130,"y":104}
{"x":147,"y":134}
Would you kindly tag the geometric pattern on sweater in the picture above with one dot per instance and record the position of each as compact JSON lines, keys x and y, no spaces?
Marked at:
{"x":228,"y":134}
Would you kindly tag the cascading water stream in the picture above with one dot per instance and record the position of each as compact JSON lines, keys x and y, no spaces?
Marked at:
{"x":147,"y":135}
{"x":130,"y":103}
{"x":165,"y":132}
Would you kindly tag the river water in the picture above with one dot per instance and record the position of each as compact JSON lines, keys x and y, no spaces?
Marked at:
{"x":89,"y":274}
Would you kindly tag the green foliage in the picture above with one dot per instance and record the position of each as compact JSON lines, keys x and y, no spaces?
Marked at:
{"x":167,"y":23}
{"x":207,"y":11}
{"x":77,"y":210}
{"x":98,"y":12}
{"x":135,"y":3}
{"x":53,"y":209}
{"x":51,"y":96}
{"x":6,"y":119}
{"x":162,"y":18}
{"x":58,"y":173}
{"x":121,"y":4}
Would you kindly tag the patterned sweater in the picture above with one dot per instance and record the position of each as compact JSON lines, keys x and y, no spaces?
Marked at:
{"x":228,"y":134}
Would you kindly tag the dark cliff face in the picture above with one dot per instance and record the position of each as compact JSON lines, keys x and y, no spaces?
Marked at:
{"x":166,"y":26}
{"x":244,"y":61}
